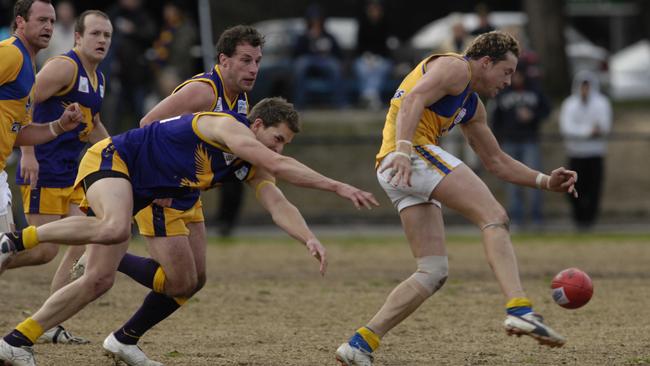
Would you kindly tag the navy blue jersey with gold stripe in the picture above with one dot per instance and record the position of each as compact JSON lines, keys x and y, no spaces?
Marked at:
{"x":222,"y":102}
{"x":172,"y":154}
{"x":58,"y":159}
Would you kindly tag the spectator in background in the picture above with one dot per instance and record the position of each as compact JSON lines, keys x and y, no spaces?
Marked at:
{"x":317,"y":61}
{"x":176,"y":38}
{"x":459,"y":39}
{"x":518,"y":114}
{"x":63,"y":36}
{"x":585,"y":122}
{"x":133,"y":34}
{"x":484,"y":25}
{"x":373,"y":63}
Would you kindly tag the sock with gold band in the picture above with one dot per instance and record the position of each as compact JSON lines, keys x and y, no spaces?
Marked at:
{"x":519,"y":306}
{"x":364,"y":339}
{"x":143,"y":270}
{"x":25,"y":334}
{"x":25,"y":239}
{"x":155,"y":308}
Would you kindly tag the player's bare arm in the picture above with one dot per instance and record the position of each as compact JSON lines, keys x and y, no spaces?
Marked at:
{"x":242,"y":142}
{"x":286,"y":216}
{"x":55,"y":76}
{"x":195,"y":96}
{"x":99,"y":132}
{"x":39,"y":133}
{"x":496,"y":161}
{"x":444,"y":76}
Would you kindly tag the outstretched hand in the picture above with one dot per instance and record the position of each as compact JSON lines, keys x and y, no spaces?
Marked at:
{"x":358,"y":197}
{"x":317,"y":250}
{"x":563,"y":180}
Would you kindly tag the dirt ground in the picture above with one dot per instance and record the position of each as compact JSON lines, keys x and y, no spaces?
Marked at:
{"x":265,"y":304}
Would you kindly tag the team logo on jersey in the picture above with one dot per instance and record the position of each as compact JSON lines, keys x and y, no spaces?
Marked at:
{"x":460,"y":116}
{"x":101,"y":91}
{"x":241,"y":106}
{"x":83,"y":84}
{"x":229,"y":158}
{"x":242,"y":172}
{"x":15,"y":127}
{"x":398,"y":94}
{"x":219,"y":107}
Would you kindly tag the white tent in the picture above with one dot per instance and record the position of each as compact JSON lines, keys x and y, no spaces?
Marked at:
{"x":630,"y":71}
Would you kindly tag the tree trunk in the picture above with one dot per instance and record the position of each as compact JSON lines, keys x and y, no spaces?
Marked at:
{"x":546,"y":23}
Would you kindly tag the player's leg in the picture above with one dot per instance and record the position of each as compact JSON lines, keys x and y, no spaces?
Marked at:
{"x":111,"y":192}
{"x":423,"y":226}
{"x":41,"y":254}
{"x":466,"y":193}
{"x":175,"y":272}
{"x":111,"y":200}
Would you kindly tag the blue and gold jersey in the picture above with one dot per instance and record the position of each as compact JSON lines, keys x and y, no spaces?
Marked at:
{"x":222,"y":102}
{"x":17,"y":76}
{"x":172,"y":154}
{"x":58,"y":159}
{"x":437,"y":119}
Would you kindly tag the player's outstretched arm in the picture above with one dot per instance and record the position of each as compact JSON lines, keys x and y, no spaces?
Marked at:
{"x":496,"y":161}
{"x":286,"y":216}
{"x":242,"y":142}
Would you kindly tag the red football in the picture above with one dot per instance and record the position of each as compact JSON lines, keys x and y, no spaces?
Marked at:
{"x":572,"y":288}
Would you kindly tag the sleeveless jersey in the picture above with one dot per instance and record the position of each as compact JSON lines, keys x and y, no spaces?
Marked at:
{"x":17,"y":77}
{"x":222,"y":102}
{"x":437,"y":119}
{"x":59,"y":159}
{"x":172,"y":156}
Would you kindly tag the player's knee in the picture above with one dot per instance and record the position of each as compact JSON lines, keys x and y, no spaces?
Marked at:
{"x":45,"y":254}
{"x":98,"y":284}
{"x":113,"y":232}
{"x":432,"y":273}
{"x":498,"y":218}
{"x":182,"y":287}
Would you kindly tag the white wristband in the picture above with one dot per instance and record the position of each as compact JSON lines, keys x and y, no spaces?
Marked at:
{"x":402,"y":154}
{"x":404,"y":142}
{"x":52,"y":129}
{"x":538,"y":181}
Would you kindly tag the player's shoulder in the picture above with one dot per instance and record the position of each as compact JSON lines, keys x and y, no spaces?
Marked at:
{"x":453,"y":70}
{"x":9,"y":53}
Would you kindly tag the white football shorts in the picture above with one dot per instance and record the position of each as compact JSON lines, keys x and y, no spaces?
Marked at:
{"x":429,"y":166}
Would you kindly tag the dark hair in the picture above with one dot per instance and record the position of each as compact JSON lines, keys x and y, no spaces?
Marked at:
{"x":239,"y":34}
{"x":22,"y":9}
{"x":274,"y":111}
{"x":495,"y":44}
{"x":80,"y":26}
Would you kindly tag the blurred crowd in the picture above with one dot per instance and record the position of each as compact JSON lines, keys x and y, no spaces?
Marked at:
{"x":153,"y":53}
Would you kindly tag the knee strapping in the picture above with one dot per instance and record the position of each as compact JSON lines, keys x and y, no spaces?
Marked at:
{"x":432,"y":273}
{"x":503,"y":225}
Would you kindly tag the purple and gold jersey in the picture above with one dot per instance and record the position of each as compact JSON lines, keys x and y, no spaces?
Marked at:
{"x":17,"y":78}
{"x":173,"y":156}
{"x":222,"y":102}
{"x":58,"y":159}
{"x":437,"y":119}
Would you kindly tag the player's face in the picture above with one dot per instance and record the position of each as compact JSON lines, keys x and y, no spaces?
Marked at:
{"x":498,"y":75}
{"x":38,"y":29}
{"x":241,"y":69}
{"x":96,"y":39}
{"x":273,"y":137}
